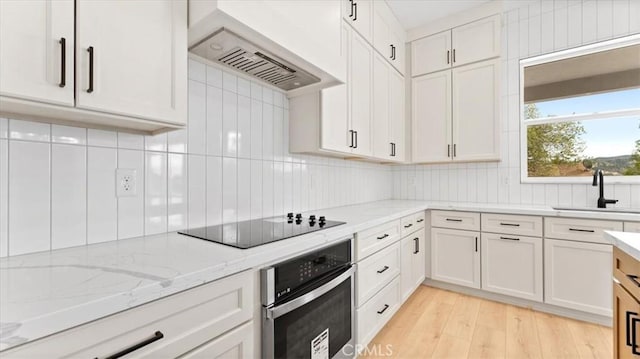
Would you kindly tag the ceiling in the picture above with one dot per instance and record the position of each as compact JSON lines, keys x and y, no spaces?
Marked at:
{"x":414,"y":13}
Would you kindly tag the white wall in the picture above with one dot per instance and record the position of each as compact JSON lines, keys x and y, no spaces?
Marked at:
{"x":529,"y":28}
{"x":57,"y":184}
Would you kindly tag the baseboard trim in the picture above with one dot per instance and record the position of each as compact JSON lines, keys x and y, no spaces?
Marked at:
{"x":541,"y":307}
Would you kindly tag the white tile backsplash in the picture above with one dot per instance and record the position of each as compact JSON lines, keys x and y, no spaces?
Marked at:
{"x":231,"y":162}
{"x":541,"y":26}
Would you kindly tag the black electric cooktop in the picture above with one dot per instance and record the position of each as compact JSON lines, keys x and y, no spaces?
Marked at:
{"x":253,"y":233}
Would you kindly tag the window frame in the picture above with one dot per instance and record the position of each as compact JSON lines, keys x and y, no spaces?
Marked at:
{"x":524,"y":123}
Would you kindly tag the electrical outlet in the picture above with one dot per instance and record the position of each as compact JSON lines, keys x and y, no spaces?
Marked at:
{"x":126,"y":182}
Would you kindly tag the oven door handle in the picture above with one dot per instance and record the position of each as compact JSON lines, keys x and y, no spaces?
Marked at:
{"x":275,"y":312}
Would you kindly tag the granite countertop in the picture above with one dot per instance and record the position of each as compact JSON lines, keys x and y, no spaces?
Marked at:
{"x":48,"y":292}
{"x":626,"y":241}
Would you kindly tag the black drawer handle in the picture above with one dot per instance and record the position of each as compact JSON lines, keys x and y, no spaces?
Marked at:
{"x":634,"y":346}
{"x":420,"y":220}
{"x":634,"y":279}
{"x":90,"y":50}
{"x":409,"y":225}
{"x":416,"y":245}
{"x":351,"y":14}
{"x":628,"y":329}
{"x":386,"y":306}
{"x":355,"y":12}
{"x":383,"y":269}
{"x":454,"y":220}
{"x":63,"y":62}
{"x":510,"y":238}
{"x":156,"y":336}
{"x":510,"y":224}
{"x":582,"y":230}
{"x":383,"y":236}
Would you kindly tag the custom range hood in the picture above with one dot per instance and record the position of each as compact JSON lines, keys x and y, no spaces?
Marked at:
{"x":292,"y":45}
{"x":231,"y":50}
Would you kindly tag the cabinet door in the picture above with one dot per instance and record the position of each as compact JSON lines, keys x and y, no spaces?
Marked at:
{"x":625,"y":315}
{"x":399,"y":52}
{"x":455,"y":257}
{"x":406,"y":267}
{"x":475,"y":112}
{"x":431,"y":54}
{"x":381,"y":30}
{"x":236,"y":344}
{"x":419,"y":258}
{"x":512,"y":265}
{"x":358,"y":13}
{"x":334,"y":108}
{"x":479,"y":40}
{"x":431,"y":117}
{"x":382,"y":146}
{"x":35,"y":36}
{"x":360,"y":93}
{"x":578,"y":275}
{"x":139,"y":58}
{"x":397,"y":118}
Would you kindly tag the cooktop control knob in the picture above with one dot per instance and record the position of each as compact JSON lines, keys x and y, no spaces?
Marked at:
{"x":312,"y":223}
{"x":312,"y":217}
{"x":298,"y":221}
{"x":322,"y":219}
{"x":290,"y":215}
{"x":298,"y":216}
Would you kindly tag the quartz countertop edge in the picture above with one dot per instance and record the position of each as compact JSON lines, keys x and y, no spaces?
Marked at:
{"x":49,"y":292}
{"x":628,"y":242}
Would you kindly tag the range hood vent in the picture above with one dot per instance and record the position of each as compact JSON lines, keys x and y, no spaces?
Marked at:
{"x":231,"y":50}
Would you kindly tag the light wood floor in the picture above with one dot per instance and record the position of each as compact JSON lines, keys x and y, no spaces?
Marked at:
{"x":435,"y":323}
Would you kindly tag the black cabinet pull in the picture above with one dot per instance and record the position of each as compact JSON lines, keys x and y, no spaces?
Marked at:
{"x":416,"y":244}
{"x":383,"y":236}
{"x":634,"y":346}
{"x":448,"y":150}
{"x":386,"y":306}
{"x":510,"y":224}
{"x":391,"y":143}
{"x":627,"y":325}
{"x":409,"y":225}
{"x":63,"y":62}
{"x":420,"y":220}
{"x":453,"y":220}
{"x":582,"y":230}
{"x":394,"y":149}
{"x":476,"y":244}
{"x":351,"y":133}
{"x":383,"y":269}
{"x":448,"y":52}
{"x":509,"y":238}
{"x":356,"y":143}
{"x":156,"y":336}
{"x":355,"y":11}
{"x":391,"y":56}
{"x":90,"y":50}
{"x":454,"y":55}
{"x":634,"y":279}
{"x":351,"y":8}
{"x":454,"y":150}
{"x":393,"y":50}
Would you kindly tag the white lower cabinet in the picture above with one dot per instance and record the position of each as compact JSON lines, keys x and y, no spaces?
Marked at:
{"x":512,"y":265}
{"x":578,"y":275}
{"x":198,"y":322}
{"x":236,"y":344}
{"x":412,"y":261}
{"x":455,"y":256}
{"x":374,"y":272}
{"x":375,"y":313}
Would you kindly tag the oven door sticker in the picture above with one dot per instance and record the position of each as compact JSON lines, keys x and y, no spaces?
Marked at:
{"x":320,"y":346}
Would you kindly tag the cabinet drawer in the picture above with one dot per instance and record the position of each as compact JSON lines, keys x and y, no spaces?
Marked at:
{"x":512,"y":224}
{"x":236,"y":344}
{"x":186,"y":321}
{"x":375,"y":272}
{"x":373,"y":239}
{"x":412,"y":223}
{"x":626,"y":269}
{"x":632,"y":227}
{"x":469,"y":221}
{"x":377,"y":312}
{"x":584,"y":230}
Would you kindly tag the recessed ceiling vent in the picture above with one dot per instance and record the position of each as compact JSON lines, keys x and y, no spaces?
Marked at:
{"x":233,"y":51}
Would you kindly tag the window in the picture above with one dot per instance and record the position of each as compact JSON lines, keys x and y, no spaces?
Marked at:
{"x":581,"y":111}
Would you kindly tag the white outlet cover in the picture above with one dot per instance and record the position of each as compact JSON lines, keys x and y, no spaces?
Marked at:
{"x":126,"y":184}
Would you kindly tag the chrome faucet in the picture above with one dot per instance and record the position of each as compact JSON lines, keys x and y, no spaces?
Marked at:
{"x":602,"y":202}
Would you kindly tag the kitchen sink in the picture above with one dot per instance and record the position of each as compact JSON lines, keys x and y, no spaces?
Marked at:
{"x":613,"y":210}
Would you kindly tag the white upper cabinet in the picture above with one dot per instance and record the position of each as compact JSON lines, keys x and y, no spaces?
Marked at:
{"x":358,"y":13}
{"x":431,"y":130}
{"x":388,"y":35}
{"x":360,"y":93}
{"x":382,"y":144}
{"x":475,"y":112}
{"x":431,"y":54}
{"x":397,"y":116}
{"x":132,"y":58}
{"x":36,"y":49}
{"x":476,"y":41}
